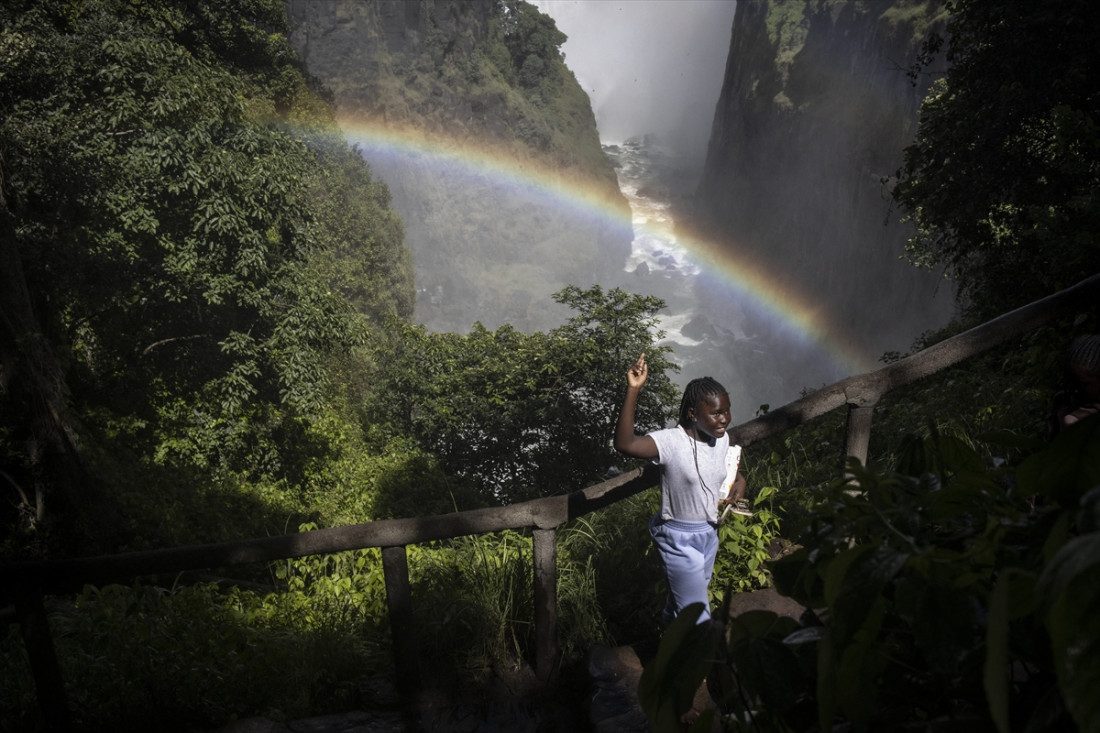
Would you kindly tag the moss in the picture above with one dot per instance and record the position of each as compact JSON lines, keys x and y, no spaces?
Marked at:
{"x":920,"y":15}
{"x":473,"y":86}
{"x":782,"y":101}
{"x":787,"y":22}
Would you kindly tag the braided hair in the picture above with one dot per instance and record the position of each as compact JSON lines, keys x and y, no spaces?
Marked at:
{"x":696,"y":390}
{"x":1084,"y":353}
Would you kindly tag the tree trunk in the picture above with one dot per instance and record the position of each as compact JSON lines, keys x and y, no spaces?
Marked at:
{"x":32,"y":382}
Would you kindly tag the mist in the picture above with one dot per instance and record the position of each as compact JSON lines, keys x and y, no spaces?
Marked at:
{"x":649,"y":66}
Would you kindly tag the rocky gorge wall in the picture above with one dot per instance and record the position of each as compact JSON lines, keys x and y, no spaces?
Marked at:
{"x":814,"y":113}
{"x":500,"y":129}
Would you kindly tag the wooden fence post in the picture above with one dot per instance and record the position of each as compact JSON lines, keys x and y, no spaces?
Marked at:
{"x":546,"y":605}
{"x":406,"y":660}
{"x":48,"y":685}
{"x":857,"y":434}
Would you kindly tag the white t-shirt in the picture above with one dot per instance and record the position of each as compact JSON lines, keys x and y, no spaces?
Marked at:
{"x":688,"y":493}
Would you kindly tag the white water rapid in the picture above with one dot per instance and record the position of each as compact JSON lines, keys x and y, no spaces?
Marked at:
{"x":706,"y":321}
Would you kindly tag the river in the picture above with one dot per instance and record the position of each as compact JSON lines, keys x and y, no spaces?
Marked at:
{"x":712,"y":327}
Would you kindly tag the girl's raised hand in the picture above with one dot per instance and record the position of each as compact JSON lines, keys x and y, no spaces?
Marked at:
{"x":638,"y":373}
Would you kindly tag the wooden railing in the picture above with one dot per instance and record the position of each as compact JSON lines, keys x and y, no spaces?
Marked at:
{"x":25,"y":584}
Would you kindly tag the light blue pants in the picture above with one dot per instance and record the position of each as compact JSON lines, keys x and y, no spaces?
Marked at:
{"x":687,"y":551}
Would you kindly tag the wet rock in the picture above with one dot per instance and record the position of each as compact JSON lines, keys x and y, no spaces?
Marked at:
{"x":253,"y":725}
{"x":353,"y":722}
{"x":357,"y":721}
{"x":767,"y":599}
{"x":614,"y":705}
{"x":699,"y":328}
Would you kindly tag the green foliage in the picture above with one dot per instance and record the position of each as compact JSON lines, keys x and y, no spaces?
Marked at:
{"x":629,"y":580}
{"x":532,"y":41}
{"x":787,"y":25}
{"x":503,"y":83}
{"x":144,"y":657}
{"x":527,"y":415}
{"x":345,"y":590}
{"x":670,"y":680}
{"x":1002,"y":180}
{"x":159,"y":214}
{"x":745,"y":545}
{"x":481,"y":589}
{"x":934,"y":585}
{"x":919,"y":15}
{"x":201,"y":264}
{"x":193,"y":657}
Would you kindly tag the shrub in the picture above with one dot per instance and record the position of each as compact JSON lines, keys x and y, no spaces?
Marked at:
{"x":950,"y":592}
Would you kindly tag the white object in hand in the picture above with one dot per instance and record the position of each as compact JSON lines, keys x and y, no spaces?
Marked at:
{"x":733,"y":459}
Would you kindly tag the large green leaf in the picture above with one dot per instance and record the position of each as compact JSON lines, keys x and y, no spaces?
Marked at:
{"x":995,"y":675}
{"x":937,"y":453}
{"x":1088,"y":518}
{"x":670,"y":680}
{"x":796,"y":577}
{"x":854,"y":584}
{"x":1068,"y":467}
{"x":837,"y":570}
{"x":1011,"y":439}
{"x":944,"y":645}
{"x":1071,"y":585}
{"x":766,"y":666}
{"x":826,"y":683}
{"x":860,"y":665}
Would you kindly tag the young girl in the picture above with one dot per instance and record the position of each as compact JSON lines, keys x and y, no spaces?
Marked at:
{"x":692,"y":457}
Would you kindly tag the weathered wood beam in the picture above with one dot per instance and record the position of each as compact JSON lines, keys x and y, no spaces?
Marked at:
{"x":867,"y":388}
{"x":54,"y":576}
{"x":546,"y":605}
{"x":48,"y":685}
{"x":406,"y":658}
{"x":857,"y":433}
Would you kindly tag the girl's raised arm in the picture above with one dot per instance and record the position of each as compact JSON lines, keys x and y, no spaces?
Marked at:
{"x":627,"y":441}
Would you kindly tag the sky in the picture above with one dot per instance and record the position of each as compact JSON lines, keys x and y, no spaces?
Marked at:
{"x":649,"y":66}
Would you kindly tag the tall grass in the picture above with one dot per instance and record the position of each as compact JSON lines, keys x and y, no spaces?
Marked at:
{"x":142,"y":657}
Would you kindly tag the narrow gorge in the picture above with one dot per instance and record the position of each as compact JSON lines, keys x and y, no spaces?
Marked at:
{"x":487,"y":143}
{"x":815,"y":111}
{"x":783,"y":270}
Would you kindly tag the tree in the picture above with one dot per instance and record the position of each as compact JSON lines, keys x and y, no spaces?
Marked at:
{"x":532,"y":39}
{"x":1003,"y":181}
{"x":32,"y":378}
{"x":188,"y":223}
{"x":527,"y":415}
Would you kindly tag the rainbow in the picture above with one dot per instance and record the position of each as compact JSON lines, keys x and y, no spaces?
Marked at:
{"x":507,"y":167}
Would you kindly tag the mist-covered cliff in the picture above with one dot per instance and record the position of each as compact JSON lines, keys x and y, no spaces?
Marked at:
{"x":814,"y":113}
{"x":468,"y":113}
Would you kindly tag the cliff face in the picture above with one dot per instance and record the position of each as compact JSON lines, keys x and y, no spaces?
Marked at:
{"x":481,"y":87}
{"x":814,"y":113}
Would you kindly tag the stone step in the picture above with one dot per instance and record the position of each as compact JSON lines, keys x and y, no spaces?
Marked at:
{"x":614,"y":706}
{"x":615,"y":672}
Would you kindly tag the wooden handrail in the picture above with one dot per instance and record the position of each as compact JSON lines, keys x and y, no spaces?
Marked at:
{"x":25,"y":583}
{"x":866,"y":389}
{"x":60,"y":576}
